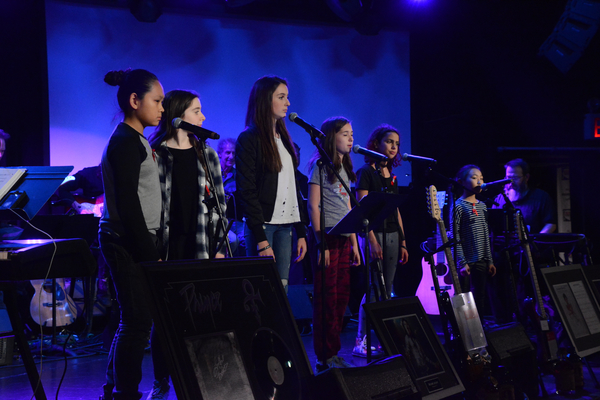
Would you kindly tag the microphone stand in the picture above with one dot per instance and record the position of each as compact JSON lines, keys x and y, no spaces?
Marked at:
{"x":322,"y":163}
{"x":213,"y":203}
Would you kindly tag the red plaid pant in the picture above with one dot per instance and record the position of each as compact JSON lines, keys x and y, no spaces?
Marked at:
{"x":337,"y":294}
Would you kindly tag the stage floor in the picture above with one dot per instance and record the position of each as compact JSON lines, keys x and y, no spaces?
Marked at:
{"x":85,"y":371}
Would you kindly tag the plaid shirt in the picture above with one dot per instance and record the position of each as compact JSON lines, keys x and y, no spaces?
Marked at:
{"x":165,"y":168}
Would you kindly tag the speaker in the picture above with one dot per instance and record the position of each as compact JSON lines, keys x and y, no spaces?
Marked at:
{"x":511,"y":348}
{"x":507,"y":342}
{"x":301,"y":299}
{"x":385,"y":380}
{"x":227,"y":329}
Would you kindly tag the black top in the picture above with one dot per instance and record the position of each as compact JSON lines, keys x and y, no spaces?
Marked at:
{"x":122,"y":172}
{"x":368,"y":178}
{"x":184,"y":191}
{"x":256,"y":187}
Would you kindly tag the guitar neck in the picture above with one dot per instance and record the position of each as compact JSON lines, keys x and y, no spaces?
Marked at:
{"x":449,"y":258}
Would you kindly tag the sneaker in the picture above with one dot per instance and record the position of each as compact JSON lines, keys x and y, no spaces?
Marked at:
{"x":338,"y":362}
{"x":160,"y":390}
{"x":360,"y":349}
{"x":333,"y":362}
{"x":320,"y":367}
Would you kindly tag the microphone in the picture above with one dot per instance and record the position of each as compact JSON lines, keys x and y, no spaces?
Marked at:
{"x":410,"y":157}
{"x":500,"y":182}
{"x":199,"y":131}
{"x":371,"y":154}
{"x":307,"y":127}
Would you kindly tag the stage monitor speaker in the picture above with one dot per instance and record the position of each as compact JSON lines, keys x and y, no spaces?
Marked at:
{"x":511,"y":348}
{"x":227,"y":329}
{"x":508,"y":341}
{"x":385,"y":380}
{"x":301,"y":298}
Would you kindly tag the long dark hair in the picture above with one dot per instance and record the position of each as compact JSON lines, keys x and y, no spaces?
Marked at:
{"x":138,"y":81}
{"x":260,"y":116}
{"x":175,"y":103}
{"x":375,"y":139}
{"x":330,"y":128}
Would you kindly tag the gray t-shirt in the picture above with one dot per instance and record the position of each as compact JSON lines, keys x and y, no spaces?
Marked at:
{"x":335,"y":197}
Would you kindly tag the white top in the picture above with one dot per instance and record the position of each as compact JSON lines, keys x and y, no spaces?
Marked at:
{"x":286,"y":203}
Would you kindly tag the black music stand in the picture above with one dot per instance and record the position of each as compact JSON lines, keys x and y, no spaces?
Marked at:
{"x":374,"y":209}
{"x":38,"y":183}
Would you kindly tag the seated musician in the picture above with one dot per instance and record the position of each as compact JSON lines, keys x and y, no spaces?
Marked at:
{"x":84,"y":191}
{"x":535,"y":204}
{"x":539,"y":216}
{"x":226,"y":151}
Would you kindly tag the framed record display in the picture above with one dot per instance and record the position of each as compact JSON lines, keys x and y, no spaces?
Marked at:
{"x":403,"y":328}
{"x":577,"y":306}
{"x":228,"y":330}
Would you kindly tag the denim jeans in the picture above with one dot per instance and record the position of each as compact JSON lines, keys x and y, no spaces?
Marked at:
{"x":280,"y":239}
{"x":127,"y":349}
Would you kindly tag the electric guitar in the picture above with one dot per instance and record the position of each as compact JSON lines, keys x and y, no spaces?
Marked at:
{"x":547,"y":346}
{"x":463,"y":304}
{"x":41,"y":304}
{"x":428,"y":291}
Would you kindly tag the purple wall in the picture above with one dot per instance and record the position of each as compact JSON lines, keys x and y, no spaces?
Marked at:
{"x":331,"y":71}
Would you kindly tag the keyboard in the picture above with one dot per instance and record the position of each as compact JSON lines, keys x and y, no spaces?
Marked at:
{"x":30,"y":259}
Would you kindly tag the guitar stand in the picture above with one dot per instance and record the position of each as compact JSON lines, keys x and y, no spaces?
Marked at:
{"x":438,"y":296}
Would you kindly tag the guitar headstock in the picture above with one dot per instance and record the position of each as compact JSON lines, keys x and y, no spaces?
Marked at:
{"x":519,"y":225}
{"x":432,"y":203}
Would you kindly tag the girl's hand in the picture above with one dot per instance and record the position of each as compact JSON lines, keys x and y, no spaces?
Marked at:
{"x":219,"y":255}
{"x":466,"y":270}
{"x":355,"y":256}
{"x":326,"y":257}
{"x":301,"y":250}
{"x":376,"y":252}
{"x":265,"y":253}
{"x":403,"y":255}
{"x":492,"y":270}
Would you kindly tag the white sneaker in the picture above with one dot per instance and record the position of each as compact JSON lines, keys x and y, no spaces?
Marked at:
{"x":360,"y":349}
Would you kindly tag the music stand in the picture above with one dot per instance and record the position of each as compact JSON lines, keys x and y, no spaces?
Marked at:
{"x":374,"y":209}
{"x":39,"y":183}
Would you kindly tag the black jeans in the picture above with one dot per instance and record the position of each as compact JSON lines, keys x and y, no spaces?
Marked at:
{"x":476,"y":283}
{"x":126,"y":354}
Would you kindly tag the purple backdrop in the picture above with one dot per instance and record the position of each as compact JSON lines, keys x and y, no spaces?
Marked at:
{"x":331,"y":71}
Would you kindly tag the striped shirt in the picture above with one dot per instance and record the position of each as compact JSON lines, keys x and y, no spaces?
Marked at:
{"x":472,"y":232}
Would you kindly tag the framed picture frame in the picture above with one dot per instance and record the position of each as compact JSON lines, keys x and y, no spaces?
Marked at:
{"x":404,"y":328}
{"x":592,"y":272}
{"x":227,"y":329}
{"x":577,"y":306}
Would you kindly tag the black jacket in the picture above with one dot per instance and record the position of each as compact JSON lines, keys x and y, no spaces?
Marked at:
{"x":257,"y":188}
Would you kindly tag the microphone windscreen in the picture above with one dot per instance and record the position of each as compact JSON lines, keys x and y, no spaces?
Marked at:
{"x":293,"y":116}
{"x":356,"y":148}
{"x":176,"y":122}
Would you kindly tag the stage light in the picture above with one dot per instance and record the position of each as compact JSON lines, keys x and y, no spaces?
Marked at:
{"x":360,"y":13}
{"x":572,"y":34}
{"x":146,"y":10}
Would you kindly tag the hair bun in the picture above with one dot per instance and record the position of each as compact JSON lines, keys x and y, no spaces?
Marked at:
{"x":115,"y":78}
